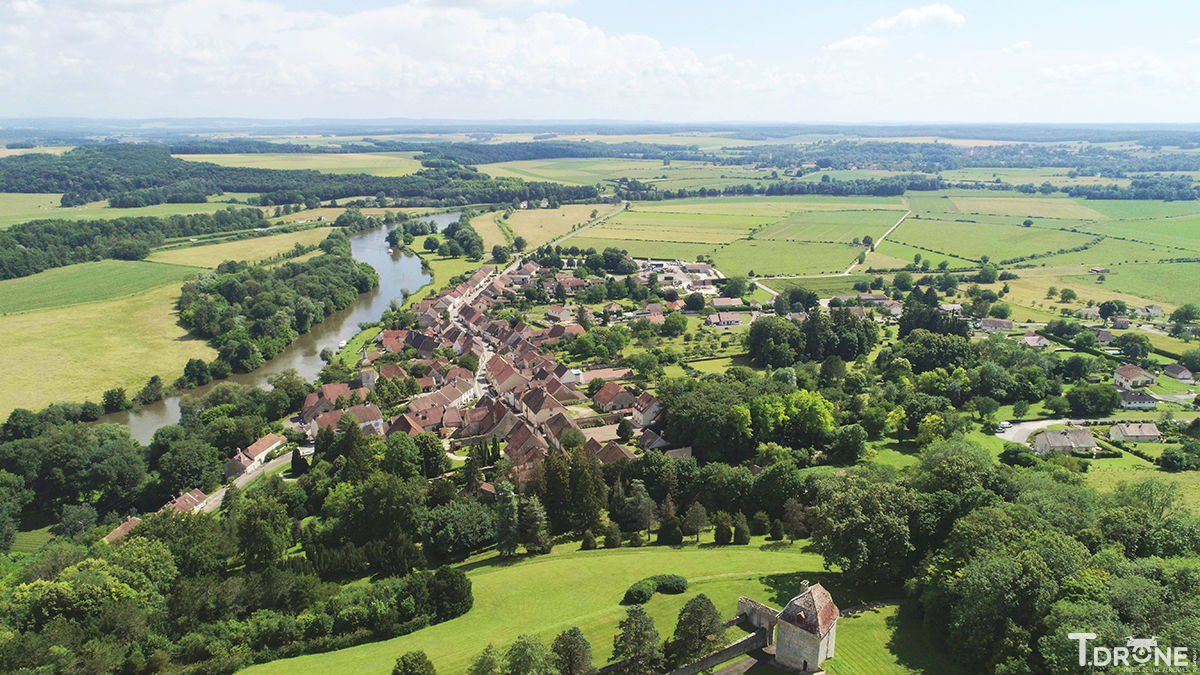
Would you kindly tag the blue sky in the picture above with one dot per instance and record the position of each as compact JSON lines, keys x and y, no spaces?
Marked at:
{"x":560,"y":59}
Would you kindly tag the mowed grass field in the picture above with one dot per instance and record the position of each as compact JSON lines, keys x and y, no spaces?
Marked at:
{"x":86,"y":282}
{"x":540,"y":226}
{"x":374,"y":163}
{"x":545,"y":595}
{"x":251,"y":250}
{"x":74,"y":353}
{"x":606,"y":170}
{"x":21,"y":207}
{"x":973,"y":240}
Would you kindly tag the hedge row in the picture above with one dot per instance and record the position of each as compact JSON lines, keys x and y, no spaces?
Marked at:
{"x":641,"y":592}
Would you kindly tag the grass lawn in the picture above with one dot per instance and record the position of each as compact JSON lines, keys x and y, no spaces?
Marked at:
{"x":86,"y":282}
{"x":75,"y":353}
{"x":783,"y":257}
{"x":350,"y":355}
{"x":592,"y":170}
{"x":28,"y":541}
{"x":250,"y":250}
{"x":548,"y":594}
{"x":883,"y":642}
{"x":1106,"y":474}
{"x":973,"y":240}
{"x":777,"y":206}
{"x":1027,"y":206}
{"x":374,"y":163}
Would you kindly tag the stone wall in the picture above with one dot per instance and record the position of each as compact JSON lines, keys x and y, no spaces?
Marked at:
{"x":755,"y":640}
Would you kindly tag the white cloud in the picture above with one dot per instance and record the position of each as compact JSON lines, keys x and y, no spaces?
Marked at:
{"x":936,"y":14}
{"x":859,"y":43}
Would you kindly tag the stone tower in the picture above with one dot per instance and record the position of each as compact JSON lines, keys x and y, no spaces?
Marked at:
{"x":806,"y":630}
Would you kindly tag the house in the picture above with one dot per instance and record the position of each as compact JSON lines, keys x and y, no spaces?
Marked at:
{"x":611,"y":452}
{"x":891,"y":307}
{"x":645,"y":409}
{"x":1103,"y":337}
{"x":679,"y":453}
{"x":1178,"y":372}
{"x":652,"y":440}
{"x":252,"y":457}
{"x":950,"y":308}
{"x":1133,"y":399}
{"x":1136,"y":432}
{"x":1089,"y":313}
{"x":369,"y":417}
{"x":323,"y":400}
{"x":1064,"y":441}
{"x":1032,"y":339}
{"x":1149,"y":311}
{"x":727,"y":303}
{"x":191,"y":501}
{"x":558,"y":314}
{"x":993,"y":325}
{"x":122,"y":529}
{"x":1120,"y":322}
{"x":613,"y":396}
{"x":1098,"y":270}
{"x":724,"y":319}
{"x":1130,"y":376}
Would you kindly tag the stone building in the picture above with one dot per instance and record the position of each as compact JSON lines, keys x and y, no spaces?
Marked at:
{"x":806,"y":630}
{"x":804,"y":633}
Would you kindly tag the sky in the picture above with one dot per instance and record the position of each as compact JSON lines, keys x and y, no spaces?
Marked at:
{"x":659,"y":60}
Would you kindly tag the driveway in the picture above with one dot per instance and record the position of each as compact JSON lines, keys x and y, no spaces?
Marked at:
{"x":214,"y":500}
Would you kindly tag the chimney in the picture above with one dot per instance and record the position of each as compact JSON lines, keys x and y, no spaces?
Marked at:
{"x":804,"y":587}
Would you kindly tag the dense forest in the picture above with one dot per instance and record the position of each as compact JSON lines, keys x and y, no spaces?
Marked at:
{"x":31,"y":247}
{"x":143,"y":174}
{"x":250,"y":313}
{"x":634,"y":189}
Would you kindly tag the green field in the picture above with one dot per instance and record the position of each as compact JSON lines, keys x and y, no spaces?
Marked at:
{"x":773,"y":206}
{"x":784,"y":257}
{"x":75,"y":353}
{"x":883,"y":642}
{"x":86,"y":282}
{"x":548,"y":594}
{"x":1174,"y":283}
{"x":642,"y":248}
{"x":836,"y":226}
{"x":593,"y":170}
{"x":972,"y":240}
{"x":19,"y":208}
{"x":824,"y":286}
{"x":253,"y":249}
{"x":374,"y":163}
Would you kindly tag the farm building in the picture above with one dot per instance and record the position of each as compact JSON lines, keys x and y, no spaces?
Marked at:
{"x":1178,"y":372}
{"x":1130,"y":376}
{"x":1032,"y":339}
{"x":993,"y":325}
{"x":724,"y":319}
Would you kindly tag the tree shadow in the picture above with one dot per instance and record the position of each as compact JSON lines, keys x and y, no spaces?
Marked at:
{"x":785,"y":586}
{"x":913,"y":648}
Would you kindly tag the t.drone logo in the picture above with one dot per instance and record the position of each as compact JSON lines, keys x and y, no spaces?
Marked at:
{"x":1136,"y":652}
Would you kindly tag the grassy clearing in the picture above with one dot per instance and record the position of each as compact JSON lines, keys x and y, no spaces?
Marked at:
{"x":488,"y":226}
{"x":374,"y":163}
{"x":527,"y":596}
{"x":86,"y":282}
{"x":784,"y":257}
{"x":75,"y":353}
{"x":1170,"y":283}
{"x":42,"y":150}
{"x":250,"y":250}
{"x":1178,"y":231}
{"x":1035,"y":176}
{"x":1106,"y":474}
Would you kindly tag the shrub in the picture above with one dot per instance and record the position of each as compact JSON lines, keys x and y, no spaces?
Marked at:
{"x":589,"y":541}
{"x":669,"y":533}
{"x":640,"y":592}
{"x":761,"y":524}
{"x":636,"y":540}
{"x":777,"y":530}
{"x":612,"y":536}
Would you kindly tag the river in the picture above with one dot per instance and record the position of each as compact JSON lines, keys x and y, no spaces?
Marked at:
{"x":399,"y":271}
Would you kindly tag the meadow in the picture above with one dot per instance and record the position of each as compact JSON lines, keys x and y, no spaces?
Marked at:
{"x":374,"y":163}
{"x":22,"y":207}
{"x":86,"y":282}
{"x":970,"y":241}
{"x":251,"y":250}
{"x":540,"y":226}
{"x":600,"y":170}
{"x":836,"y":226}
{"x":545,"y":595}
{"x":75,"y":353}
{"x":767,"y":257}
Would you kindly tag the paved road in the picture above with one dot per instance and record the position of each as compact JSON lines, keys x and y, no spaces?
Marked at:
{"x":214,"y":500}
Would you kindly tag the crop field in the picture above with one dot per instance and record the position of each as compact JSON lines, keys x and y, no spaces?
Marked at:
{"x":545,"y":595}
{"x":681,"y":227}
{"x":1168,"y":283}
{"x":1179,"y":232}
{"x":598,"y":170}
{"x":374,"y":163}
{"x":777,"y":206}
{"x":972,"y":240}
{"x":251,"y":250}
{"x":1024,"y":206}
{"x":1119,"y":209}
{"x":642,"y":248}
{"x":21,"y":207}
{"x":77,"y":352}
{"x":836,"y":226}
{"x":824,"y":287}
{"x":86,"y":282}
{"x":783,"y":257}
{"x":43,"y":150}
{"x":540,"y":226}
{"x":1036,"y":176}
